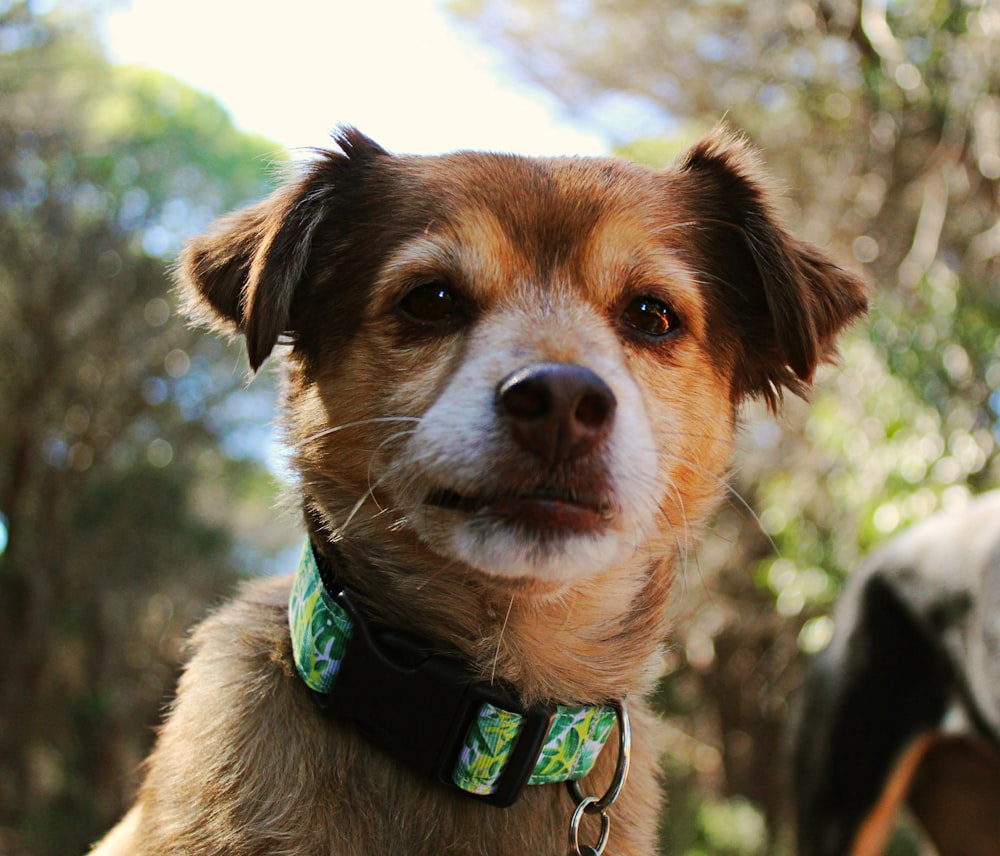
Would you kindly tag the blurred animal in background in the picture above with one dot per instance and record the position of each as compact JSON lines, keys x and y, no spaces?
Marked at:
{"x":903,"y":707}
{"x":512,"y":388}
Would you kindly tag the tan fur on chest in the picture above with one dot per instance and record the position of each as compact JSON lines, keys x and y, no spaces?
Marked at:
{"x":511,"y":394}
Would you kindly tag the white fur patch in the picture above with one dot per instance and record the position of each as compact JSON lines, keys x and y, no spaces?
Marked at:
{"x":462,"y":445}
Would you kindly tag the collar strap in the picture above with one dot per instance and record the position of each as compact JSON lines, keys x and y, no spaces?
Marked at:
{"x":424,"y":707}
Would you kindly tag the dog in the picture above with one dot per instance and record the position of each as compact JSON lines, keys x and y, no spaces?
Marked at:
{"x":512,"y":388}
{"x":903,"y":706}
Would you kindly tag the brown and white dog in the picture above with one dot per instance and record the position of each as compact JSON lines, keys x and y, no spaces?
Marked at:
{"x":511,"y":392}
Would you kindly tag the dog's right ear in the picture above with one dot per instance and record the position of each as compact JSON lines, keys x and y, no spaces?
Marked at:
{"x":785,"y":298}
{"x":242,"y":276}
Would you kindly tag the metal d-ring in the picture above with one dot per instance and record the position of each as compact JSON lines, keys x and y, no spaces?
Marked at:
{"x":600,"y":805}
{"x":614,"y":790}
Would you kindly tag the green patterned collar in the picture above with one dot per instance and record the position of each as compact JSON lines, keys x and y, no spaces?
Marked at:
{"x":423,"y":707}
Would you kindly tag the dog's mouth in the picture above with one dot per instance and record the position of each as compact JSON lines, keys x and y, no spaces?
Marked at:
{"x":543,"y":508}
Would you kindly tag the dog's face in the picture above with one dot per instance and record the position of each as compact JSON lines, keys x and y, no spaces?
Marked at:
{"x":527,"y":367}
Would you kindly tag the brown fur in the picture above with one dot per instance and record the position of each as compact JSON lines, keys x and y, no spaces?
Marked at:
{"x":545,"y":255}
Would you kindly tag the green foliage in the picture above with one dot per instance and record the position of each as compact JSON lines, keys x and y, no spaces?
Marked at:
{"x":112,"y":412}
{"x":733,"y":826}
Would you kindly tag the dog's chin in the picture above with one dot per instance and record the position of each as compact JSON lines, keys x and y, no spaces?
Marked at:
{"x":544,"y":538}
{"x":509,"y":554}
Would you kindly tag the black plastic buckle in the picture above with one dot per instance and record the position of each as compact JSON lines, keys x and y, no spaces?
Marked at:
{"x":417,"y":705}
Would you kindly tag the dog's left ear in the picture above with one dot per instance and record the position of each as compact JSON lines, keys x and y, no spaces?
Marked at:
{"x":243,"y":275}
{"x":784,"y":299}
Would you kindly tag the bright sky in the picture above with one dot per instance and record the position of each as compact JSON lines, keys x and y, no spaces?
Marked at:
{"x":400,"y":70}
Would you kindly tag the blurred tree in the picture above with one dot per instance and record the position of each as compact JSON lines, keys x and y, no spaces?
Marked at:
{"x":884,"y":119}
{"x":111,"y":414}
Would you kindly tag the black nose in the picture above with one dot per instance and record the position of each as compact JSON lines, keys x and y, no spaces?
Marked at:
{"x":558,"y":411}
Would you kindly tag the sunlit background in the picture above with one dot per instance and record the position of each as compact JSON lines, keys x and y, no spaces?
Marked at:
{"x":139,"y":479}
{"x":404,"y":73}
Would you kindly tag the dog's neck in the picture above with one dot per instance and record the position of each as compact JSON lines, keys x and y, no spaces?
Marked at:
{"x":425,"y":708}
{"x":596,"y":640}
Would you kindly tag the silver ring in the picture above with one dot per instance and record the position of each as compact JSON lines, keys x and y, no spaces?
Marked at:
{"x":587,"y":805}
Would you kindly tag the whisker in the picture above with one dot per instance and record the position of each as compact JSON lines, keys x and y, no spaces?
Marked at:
{"x":325,"y":432}
{"x":370,"y":492}
{"x":729,"y":489}
{"x":693,"y":222}
{"x":686,"y":541}
{"x":357,"y":507}
{"x":503,"y":628}
{"x":371,"y":461}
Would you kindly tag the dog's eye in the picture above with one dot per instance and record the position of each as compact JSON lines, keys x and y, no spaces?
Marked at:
{"x":650,"y":316}
{"x":431,"y":303}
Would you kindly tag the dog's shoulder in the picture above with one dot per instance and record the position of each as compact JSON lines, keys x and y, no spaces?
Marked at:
{"x":251,"y":627}
{"x":241,"y":721}
{"x":241,"y":659}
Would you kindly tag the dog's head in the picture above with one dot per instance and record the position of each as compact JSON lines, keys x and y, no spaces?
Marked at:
{"x":526,"y":366}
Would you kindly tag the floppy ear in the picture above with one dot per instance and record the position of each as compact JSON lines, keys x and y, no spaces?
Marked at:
{"x":785,"y":299}
{"x":243,"y":275}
